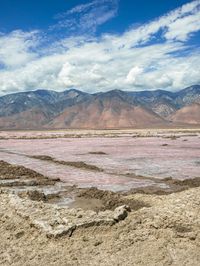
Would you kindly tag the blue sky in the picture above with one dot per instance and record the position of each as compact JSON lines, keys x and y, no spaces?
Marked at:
{"x":99,"y":45}
{"x":29,"y":15}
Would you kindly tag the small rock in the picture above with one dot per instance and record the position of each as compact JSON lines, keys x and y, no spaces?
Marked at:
{"x":19,"y":234}
{"x":85,"y":239}
{"x":35,"y":195}
{"x":97,"y":243}
{"x":192,"y":235}
{"x":120,"y":213}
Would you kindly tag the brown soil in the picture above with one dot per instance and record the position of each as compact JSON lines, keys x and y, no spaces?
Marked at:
{"x":187,"y":183}
{"x":87,"y":204}
{"x":75,"y":164}
{"x":42,"y":157}
{"x":36,"y":195}
{"x":21,"y":176}
{"x":110,"y":200}
{"x":174,"y":185}
{"x":97,"y":153}
{"x":8,"y":171}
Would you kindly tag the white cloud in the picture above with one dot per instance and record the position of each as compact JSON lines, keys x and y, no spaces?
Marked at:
{"x":133,"y":74}
{"x":167,"y":23}
{"x":64,"y":76}
{"x":86,"y":18}
{"x":15,"y":48}
{"x":182,"y":28}
{"x":127,"y":61}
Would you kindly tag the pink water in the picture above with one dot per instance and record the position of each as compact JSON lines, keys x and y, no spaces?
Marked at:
{"x":140,"y":156}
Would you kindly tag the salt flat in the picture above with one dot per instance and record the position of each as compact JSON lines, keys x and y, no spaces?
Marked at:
{"x":121,"y":155}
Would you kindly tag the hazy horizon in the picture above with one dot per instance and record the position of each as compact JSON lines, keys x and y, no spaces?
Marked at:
{"x":74,"y":89}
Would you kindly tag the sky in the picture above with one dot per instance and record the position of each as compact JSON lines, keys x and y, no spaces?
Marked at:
{"x":99,"y":45}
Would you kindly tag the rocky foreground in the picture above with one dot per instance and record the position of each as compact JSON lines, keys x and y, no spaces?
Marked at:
{"x":165,"y":230}
{"x":149,"y":226}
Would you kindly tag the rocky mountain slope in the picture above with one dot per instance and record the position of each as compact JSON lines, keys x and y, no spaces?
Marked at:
{"x":106,"y":112}
{"x":189,"y":114}
{"x":113,"y":109}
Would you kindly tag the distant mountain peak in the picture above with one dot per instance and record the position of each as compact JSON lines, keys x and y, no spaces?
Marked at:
{"x":111,"y":109}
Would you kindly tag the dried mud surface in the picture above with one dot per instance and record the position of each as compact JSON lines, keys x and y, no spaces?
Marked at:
{"x":99,"y":227}
{"x":167,"y":232}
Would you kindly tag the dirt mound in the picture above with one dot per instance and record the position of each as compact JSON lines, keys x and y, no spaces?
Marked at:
{"x":8,"y":171}
{"x":76,"y":164}
{"x":38,"y":195}
{"x":187,"y":183}
{"x":173,"y":186}
{"x":110,"y":199}
{"x":15,"y":175}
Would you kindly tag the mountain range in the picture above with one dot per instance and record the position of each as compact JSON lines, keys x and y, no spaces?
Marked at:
{"x":45,"y":109}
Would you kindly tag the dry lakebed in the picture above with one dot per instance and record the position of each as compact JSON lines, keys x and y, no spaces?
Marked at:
{"x":128,"y":197}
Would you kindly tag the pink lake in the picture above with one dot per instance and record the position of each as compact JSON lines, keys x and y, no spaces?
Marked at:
{"x":145,"y":156}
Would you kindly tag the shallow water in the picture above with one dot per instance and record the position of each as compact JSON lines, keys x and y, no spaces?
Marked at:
{"x":144,"y":156}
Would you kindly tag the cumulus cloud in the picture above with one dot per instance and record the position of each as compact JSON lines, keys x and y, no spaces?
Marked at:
{"x":133,"y":74}
{"x":16,"y":48}
{"x":156,"y":55}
